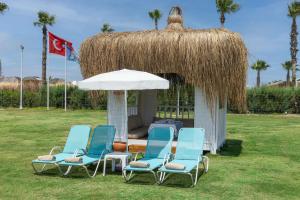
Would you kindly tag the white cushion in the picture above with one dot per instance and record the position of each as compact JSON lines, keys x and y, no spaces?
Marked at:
{"x":73,"y":160}
{"x":175,"y":166}
{"x":139,"y":164}
{"x":46,"y":158}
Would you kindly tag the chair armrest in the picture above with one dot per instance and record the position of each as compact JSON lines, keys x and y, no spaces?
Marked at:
{"x":103,"y":152}
{"x":76,"y":153}
{"x":136,"y":155}
{"x":54,"y":148}
{"x":167,"y":158}
{"x":171,"y":156}
{"x":204,"y":157}
{"x":84,"y":151}
{"x":206,"y":162}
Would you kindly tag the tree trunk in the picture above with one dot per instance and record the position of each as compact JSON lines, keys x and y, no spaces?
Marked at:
{"x":156,"y":24}
{"x":258,"y":79}
{"x":44,"y":56}
{"x":222,"y":19}
{"x":288,"y":79}
{"x":294,"y":50}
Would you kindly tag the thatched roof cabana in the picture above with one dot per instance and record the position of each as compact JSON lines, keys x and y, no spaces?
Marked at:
{"x":214,"y":59}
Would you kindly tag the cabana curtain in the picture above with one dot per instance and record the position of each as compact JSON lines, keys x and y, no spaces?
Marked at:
{"x":117,"y":113}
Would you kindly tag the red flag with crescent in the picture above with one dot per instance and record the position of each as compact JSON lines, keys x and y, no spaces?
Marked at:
{"x":57,"y":44}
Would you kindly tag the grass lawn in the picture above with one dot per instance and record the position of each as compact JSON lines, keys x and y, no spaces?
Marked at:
{"x":261,"y":160}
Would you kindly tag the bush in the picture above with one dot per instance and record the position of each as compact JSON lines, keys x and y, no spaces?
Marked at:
{"x":76,"y":99}
{"x":259,"y":100}
{"x":273,"y":100}
{"x":9,"y":98}
{"x":31,"y":99}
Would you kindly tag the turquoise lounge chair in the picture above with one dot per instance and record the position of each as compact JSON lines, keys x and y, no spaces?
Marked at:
{"x":77,"y":140}
{"x":158,"y":150}
{"x":101,"y":144}
{"x":189,"y":153}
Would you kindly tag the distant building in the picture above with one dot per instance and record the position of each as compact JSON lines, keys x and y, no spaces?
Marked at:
{"x":11,"y":79}
{"x":279,"y":83}
{"x":57,"y":81}
{"x":32,"y":78}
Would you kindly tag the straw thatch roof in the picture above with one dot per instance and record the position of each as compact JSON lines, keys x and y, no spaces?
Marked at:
{"x":214,"y":59}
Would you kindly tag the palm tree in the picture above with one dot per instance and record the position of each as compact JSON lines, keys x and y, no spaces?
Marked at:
{"x":106,"y":28}
{"x":293,"y":12}
{"x":3,"y":7}
{"x":259,"y":65}
{"x":44,"y":19}
{"x":155,"y":15}
{"x":287,"y":66}
{"x":226,"y":7}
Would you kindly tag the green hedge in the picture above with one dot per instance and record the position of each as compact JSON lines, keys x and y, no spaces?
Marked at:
{"x":76,"y":99}
{"x":259,"y":100}
{"x":273,"y":100}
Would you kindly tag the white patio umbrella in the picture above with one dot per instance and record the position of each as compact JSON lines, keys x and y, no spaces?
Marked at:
{"x":122,"y":80}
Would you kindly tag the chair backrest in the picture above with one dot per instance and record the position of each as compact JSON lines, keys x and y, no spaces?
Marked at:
{"x":102,"y":139}
{"x":78,"y":138}
{"x":190,"y":143}
{"x":159,"y":142}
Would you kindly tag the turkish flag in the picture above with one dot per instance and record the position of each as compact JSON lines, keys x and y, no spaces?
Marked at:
{"x":57,"y":44}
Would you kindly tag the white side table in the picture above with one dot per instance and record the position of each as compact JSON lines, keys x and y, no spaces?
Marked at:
{"x":123,"y":156}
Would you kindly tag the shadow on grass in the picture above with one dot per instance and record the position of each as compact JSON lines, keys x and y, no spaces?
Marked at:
{"x":76,"y":172}
{"x":142,"y":178}
{"x":50,"y":171}
{"x":182,"y":180}
{"x":173,"y":180}
{"x":232,"y":147}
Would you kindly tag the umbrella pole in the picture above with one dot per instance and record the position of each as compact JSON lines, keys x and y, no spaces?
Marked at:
{"x":126,"y":120}
{"x":107,"y":108}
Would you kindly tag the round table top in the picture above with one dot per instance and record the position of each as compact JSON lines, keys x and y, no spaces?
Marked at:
{"x":118,"y":154}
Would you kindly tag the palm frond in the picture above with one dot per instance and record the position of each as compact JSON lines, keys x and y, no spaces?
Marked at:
{"x":37,"y":24}
{"x":260,"y":65}
{"x":3,"y":7}
{"x":151,"y":15}
{"x":44,"y":18}
{"x":106,"y":28}
{"x":235,"y":7}
{"x":294,"y":9}
{"x":227,"y":6}
{"x":155,"y":14}
{"x":287,"y":65}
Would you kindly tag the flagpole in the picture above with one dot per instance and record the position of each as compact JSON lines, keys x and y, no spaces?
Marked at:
{"x":21,"y":81}
{"x":65,"y":76}
{"x":48,"y":92}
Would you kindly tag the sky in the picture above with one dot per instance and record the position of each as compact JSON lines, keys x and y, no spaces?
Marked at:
{"x":263,"y":25}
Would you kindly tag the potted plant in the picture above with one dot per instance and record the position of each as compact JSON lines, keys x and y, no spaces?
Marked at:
{"x":119,"y":146}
